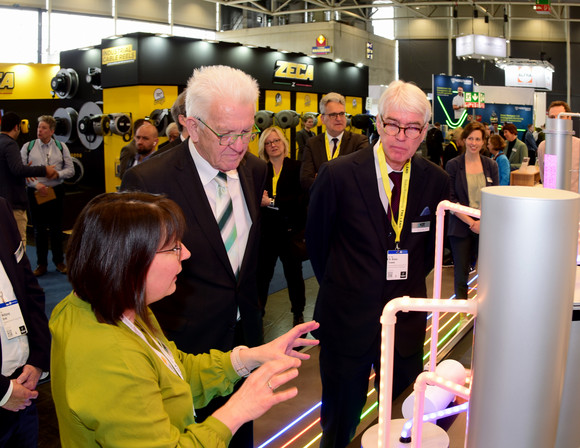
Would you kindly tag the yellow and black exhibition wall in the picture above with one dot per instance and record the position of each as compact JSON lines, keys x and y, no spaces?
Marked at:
{"x":140,"y":74}
{"x":26,"y":90}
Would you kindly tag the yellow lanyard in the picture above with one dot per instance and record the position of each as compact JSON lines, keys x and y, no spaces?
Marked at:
{"x":397,"y":226}
{"x":454,"y":145}
{"x":335,"y":155}
{"x":275,"y":180}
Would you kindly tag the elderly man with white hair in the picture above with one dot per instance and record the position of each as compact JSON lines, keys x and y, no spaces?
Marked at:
{"x":370,"y":234}
{"x":219,"y":187}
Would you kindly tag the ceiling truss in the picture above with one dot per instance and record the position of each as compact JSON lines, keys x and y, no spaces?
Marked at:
{"x":405,"y":9}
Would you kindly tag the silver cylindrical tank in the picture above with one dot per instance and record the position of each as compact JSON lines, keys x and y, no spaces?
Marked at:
{"x":525,"y":299}
{"x":558,"y":156}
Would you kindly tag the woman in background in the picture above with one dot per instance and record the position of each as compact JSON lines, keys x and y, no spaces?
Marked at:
{"x":468,"y":173}
{"x":496,"y":145}
{"x":116,"y":380}
{"x":283,"y":221}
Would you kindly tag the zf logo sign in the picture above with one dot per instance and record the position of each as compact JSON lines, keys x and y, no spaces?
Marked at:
{"x":6,"y":80}
{"x":293,"y":71}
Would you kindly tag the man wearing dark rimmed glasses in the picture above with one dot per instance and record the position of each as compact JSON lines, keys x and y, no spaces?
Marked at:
{"x":335,"y":142}
{"x":219,"y":187}
{"x":370,"y":234}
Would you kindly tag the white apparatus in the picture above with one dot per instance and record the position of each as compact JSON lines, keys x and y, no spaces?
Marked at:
{"x":558,"y":156}
{"x":517,"y":379}
{"x":525,"y":302}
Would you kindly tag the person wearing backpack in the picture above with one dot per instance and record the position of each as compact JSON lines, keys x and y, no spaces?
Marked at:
{"x":46,"y":196}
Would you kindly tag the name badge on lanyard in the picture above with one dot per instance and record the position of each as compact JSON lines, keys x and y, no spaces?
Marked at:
{"x":397,"y":264}
{"x":12,"y":319}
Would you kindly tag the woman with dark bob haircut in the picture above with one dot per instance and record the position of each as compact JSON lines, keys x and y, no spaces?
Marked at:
{"x":116,"y":380}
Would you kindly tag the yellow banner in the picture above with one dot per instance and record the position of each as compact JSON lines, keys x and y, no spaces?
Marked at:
{"x":26,"y":81}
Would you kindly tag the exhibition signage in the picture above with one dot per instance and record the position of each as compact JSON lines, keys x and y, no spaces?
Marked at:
{"x":480,"y":47}
{"x":534,"y":76}
{"x":543,"y":6}
{"x":369,"y":50}
{"x":122,"y":54}
{"x":322,"y":46}
{"x":446,"y":92}
{"x":475,"y":100}
{"x":297,"y":74}
{"x":519,"y":115}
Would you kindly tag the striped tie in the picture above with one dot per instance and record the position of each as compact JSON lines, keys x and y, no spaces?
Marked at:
{"x":226,"y":221}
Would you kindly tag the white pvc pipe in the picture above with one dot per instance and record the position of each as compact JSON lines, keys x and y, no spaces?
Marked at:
{"x":437,"y":399}
{"x":388,"y":321}
{"x":440,"y":231}
{"x":420,"y":386}
{"x":434,"y":416}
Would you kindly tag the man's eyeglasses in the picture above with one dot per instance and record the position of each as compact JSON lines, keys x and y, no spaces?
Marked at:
{"x":336,"y":115}
{"x":411,"y":132}
{"x":230,"y":139}
{"x":273,"y":142}
{"x":175,"y":250}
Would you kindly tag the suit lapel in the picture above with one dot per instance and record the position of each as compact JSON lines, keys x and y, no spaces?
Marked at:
{"x":193,"y":193}
{"x":365,"y":176}
{"x":248,"y":189}
{"x":463,"y":175}
{"x":415,"y":198}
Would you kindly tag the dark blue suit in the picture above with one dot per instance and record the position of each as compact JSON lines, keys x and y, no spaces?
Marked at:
{"x":31,"y":301}
{"x":348,"y":236}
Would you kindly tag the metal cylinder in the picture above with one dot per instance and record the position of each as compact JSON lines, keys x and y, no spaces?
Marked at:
{"x":558,"y":156}
{"x":525,"y":299}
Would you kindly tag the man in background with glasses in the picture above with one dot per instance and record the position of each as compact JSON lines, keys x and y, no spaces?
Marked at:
{"x":336,"y":141}
{"x":219,"y":187}
{"x":370,"y":234}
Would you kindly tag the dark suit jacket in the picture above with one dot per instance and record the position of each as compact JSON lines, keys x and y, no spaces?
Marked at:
{"x":30,"y":295}
{"x":201,"y":314}
{"x":348,"y":236}
{"x":13,"y":173}
{"x":167,"y":146}
{"x":302,"y":136}
{"x":458,"y":189}
{"x":315,"y":154}
{"x":128,"y":153}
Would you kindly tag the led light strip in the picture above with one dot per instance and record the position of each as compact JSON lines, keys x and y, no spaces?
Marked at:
{"x":375,"y":404}
{"x":406,"y":432}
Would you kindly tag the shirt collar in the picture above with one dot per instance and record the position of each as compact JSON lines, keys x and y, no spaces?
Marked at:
{"x":206,"y":172}
{"x":329,"y":137}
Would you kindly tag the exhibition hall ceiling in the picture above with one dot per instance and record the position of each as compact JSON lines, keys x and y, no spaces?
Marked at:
{"x":410,"y":9}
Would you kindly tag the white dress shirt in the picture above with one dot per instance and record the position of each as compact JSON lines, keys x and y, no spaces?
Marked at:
{"x":207,"y":174}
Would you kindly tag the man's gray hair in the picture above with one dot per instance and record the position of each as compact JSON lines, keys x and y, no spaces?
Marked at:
{"x":331,"y":97}
{"x":178,"y":109}
{"x":403,"y":96}
{"x":218,"y":83}
{"x":49,"y":120}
